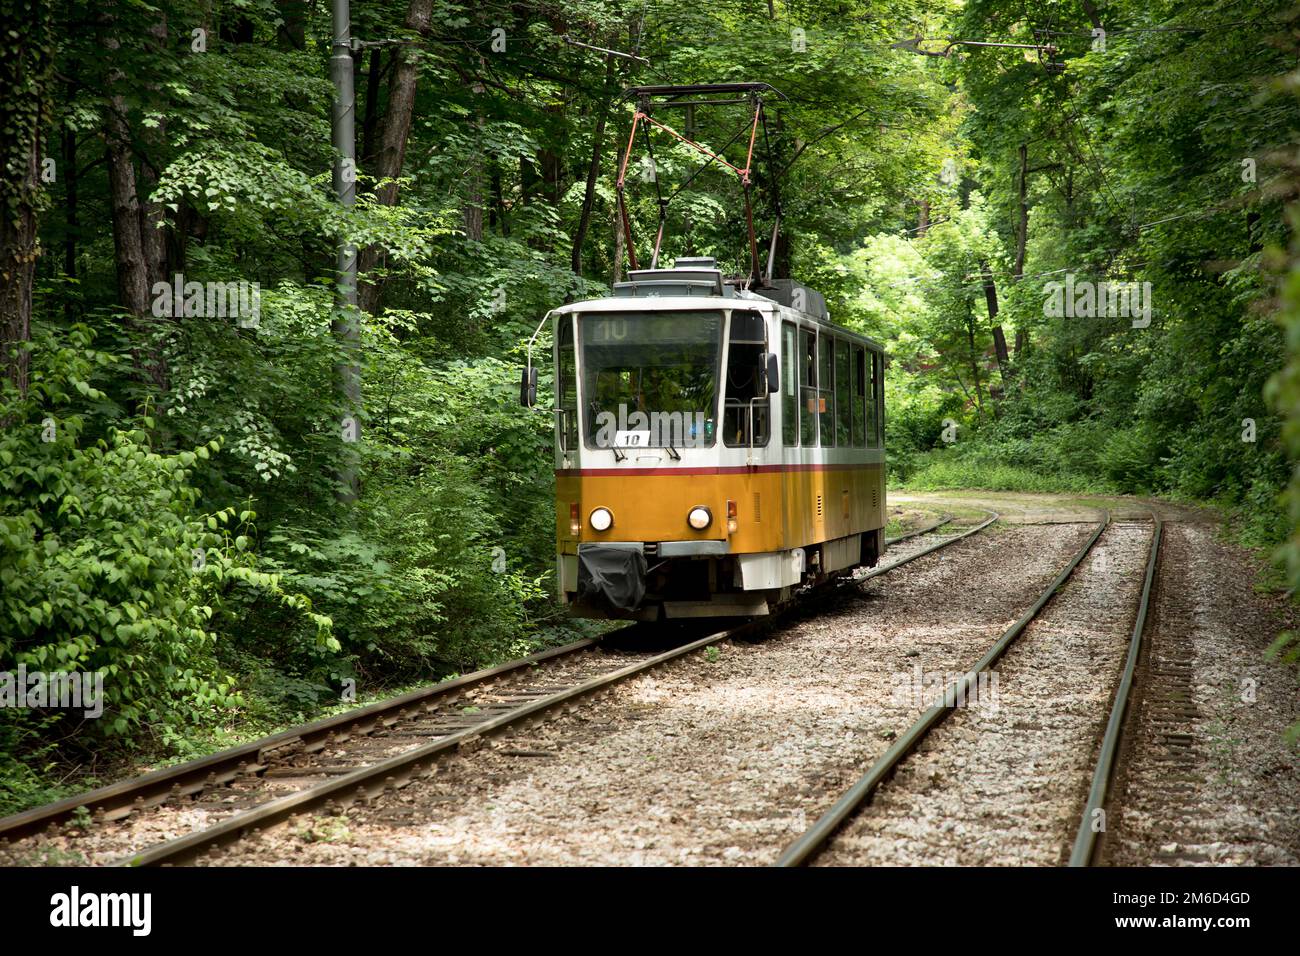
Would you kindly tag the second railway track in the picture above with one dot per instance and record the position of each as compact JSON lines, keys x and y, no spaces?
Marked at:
{"x":1088,"y":822}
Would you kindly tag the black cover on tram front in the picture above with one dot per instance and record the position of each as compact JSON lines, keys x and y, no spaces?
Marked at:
{"x":610,"y":577}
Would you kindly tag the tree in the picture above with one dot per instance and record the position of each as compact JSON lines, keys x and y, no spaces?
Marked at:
{"x":26,"y":56}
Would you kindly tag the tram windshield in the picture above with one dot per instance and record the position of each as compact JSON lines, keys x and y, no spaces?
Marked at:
{"x":649,"y":379}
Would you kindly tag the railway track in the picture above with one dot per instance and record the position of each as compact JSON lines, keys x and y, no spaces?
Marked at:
{"x":191,"y":780}
{"x":942,"y":543}
{"x":817,"y":837}
{"x":359,"y":755}
{"x":916,"y":533}
{"x":1084,"y":852}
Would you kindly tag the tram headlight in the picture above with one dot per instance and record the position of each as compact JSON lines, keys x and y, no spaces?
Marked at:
{"x":602,"y":519}
{"x":699,"y":518}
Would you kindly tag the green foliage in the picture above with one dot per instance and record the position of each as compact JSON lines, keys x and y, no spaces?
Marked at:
{"x":325,"y":830}
{"x":1134,"y":169}
{"x":1284,"y":386}
{"x":108,"y":564}
{"x":938,"y":471}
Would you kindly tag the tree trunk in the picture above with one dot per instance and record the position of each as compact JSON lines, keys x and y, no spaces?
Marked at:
{"x":395,"y":131}
{"x":1022,"y":212}
{"x":527,"y":181}
{"x":974,"y":363}
{"x":471,"y":212}
{"x":153,"y":238}
{"x":1000,"y":348}
{"x":922,"y":219}
{"x":551,"y":162}
{"x":370,"y":122}
{"x":552,"y":175}
{"x":783,"y":261}
{"x":237,"y":28}
{"x":1022,"y":236}
{"x":25,"y":67}
{"x":128,"y":245}
{"x":128,"y":240}
{"x":618,"y":246}
{"x":499,"y":218}
{"x":999,"y":337}
{"x":292,"y":32}
{"x":69,"y":172}
{"x":71,"y":225}
{"x":593,"y":171}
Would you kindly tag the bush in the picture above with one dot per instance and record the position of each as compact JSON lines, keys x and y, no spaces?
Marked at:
{"x":1129,"y":459}
{"x":415,"y":587}
{"x":107,"y":565}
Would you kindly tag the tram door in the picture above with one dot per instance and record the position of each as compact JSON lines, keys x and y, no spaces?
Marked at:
{"x":747,"y":417}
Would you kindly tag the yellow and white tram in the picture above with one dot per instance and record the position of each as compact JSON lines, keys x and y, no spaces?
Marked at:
{"x":716,"y":448}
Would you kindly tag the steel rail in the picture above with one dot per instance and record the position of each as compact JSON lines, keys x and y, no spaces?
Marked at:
{"x":118,"y":800}
{"x":816,"y":836}
{"x":946,"y":519}
{"x":1086,"y":839}
{"x":886,"y":568}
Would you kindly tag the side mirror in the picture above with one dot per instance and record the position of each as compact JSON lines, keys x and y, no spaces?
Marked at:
{"x":773,"y":373}
{"x":528,"y":387}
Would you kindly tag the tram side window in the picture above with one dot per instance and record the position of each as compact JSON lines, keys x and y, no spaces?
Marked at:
{"x":808,"y":387}
{"x":825,"y":390}
{"x":859,"y":397}
{"x":746,"y":415}
{"x":843,"y":403}
{"x":878,"y":365}
{"x":873,"y":439}
{"x":789,"y":387}
{"x":567,"y":386}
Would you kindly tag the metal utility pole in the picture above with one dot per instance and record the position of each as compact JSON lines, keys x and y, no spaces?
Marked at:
{"x":346,"y":325}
